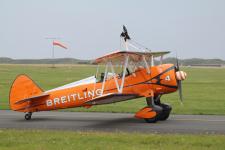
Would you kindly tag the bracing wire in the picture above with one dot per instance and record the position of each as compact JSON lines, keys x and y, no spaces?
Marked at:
{"x":143,"y":47}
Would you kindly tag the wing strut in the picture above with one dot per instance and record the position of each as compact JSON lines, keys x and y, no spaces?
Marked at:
{"x":124,"y":72}
{"x":161,"y":59}
{"x":105,"y":75}
{"x":119,"y":87}
{"x":114,"y":76}
{"x":152,"y":61}
{"x":146,"y":64}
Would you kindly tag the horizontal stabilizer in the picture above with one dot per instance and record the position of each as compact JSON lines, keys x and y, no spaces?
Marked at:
{"x":111,"y":98}
{"x":33,"y":98}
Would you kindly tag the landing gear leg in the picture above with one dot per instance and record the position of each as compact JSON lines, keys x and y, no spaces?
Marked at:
{"x":28,"y":115}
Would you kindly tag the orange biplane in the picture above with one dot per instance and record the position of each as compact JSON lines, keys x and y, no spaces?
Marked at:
{"x":127,"y":75}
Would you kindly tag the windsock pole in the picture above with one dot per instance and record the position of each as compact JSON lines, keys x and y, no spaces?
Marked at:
{"x":53,"y":54}
{"x":53,"y":48}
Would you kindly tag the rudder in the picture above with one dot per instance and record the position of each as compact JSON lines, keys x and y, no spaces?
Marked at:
{"x":23,"y":87}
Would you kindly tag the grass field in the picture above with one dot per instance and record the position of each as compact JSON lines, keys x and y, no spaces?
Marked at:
{"x":204,"y":89}
{"x":48,"y":140}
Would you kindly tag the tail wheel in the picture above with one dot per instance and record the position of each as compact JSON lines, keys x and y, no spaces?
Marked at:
{"x":28,"y":116}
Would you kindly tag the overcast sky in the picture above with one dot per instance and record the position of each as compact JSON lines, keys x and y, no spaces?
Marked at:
{"x":193,"y":28}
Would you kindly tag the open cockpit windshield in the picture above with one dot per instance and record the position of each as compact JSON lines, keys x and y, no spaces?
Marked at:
{"x":126,"y":62}
{"x":111,"y":70}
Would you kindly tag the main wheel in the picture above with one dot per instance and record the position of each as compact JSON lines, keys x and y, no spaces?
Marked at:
{"x":158,"y":111}
{"x":151,"y":120}
{"x":28,"y":116}
{"x":165,"y":112}
{"x":157,"y":108}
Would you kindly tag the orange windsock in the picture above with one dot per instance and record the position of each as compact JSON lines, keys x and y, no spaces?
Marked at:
{"x":59,"y":44}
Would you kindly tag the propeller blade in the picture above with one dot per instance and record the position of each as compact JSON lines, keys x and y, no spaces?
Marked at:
{"x":179,"y":84}
{"x":180,"y":90}
{"x":178,"y":68}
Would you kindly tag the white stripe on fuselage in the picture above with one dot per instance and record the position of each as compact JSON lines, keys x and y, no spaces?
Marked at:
{"x":88,"y":80}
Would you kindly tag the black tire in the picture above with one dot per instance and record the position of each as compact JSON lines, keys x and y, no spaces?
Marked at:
{"x":151,"y":120}
{"x":165,"y":113}
{"x":164,"y":116}
{"x":157,"y":117}
{"x":27,"y":116}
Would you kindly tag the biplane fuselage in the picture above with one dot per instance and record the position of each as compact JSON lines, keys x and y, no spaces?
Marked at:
{"x":160,"y":80}
{"x":138,"y":77}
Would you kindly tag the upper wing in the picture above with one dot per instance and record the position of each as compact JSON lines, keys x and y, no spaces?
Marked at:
{"x":111,"y":98}
{"x":118,"y":56}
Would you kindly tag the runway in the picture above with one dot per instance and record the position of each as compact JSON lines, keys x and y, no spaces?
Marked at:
{"x":113,"y":122}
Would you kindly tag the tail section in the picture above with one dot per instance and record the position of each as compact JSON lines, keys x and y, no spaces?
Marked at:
{"x":22,"y":91}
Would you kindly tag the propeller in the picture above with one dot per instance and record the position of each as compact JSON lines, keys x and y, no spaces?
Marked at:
{"x":179,"y":82}
{"x":124,"y":34}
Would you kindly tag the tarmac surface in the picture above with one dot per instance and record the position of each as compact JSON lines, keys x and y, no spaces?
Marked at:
{"x":112,"y":122}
